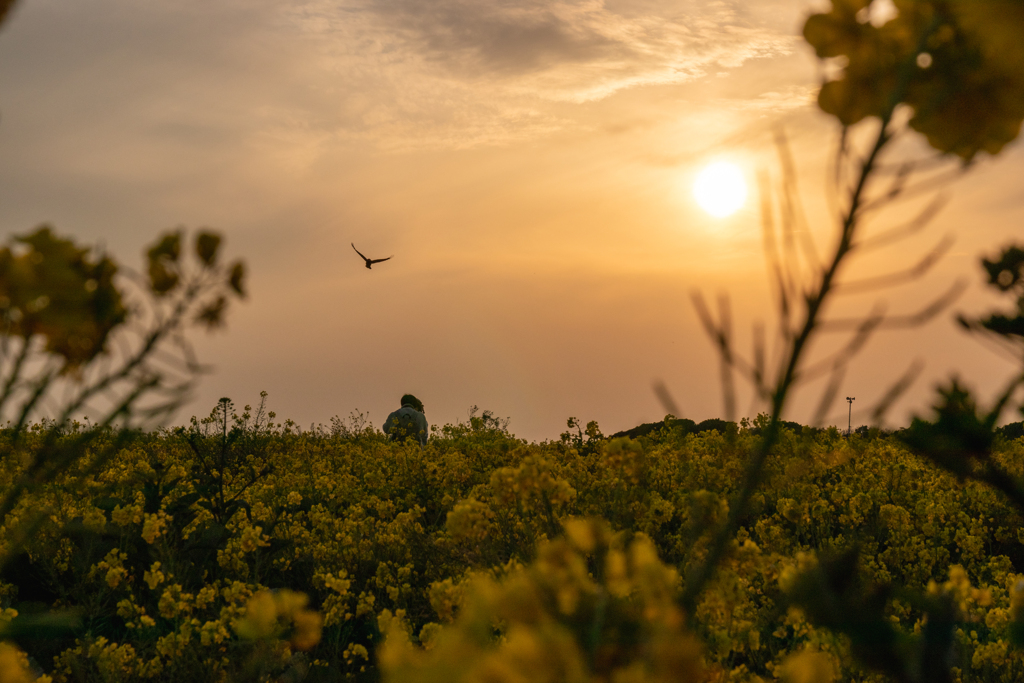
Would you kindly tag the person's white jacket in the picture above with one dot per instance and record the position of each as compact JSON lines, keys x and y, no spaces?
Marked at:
{"x":406,"y":422}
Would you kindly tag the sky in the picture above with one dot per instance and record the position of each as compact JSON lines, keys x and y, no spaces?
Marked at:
{"x":527,"y":164}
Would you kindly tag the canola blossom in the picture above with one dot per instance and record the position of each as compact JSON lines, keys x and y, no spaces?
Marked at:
{"x":483,"y":557}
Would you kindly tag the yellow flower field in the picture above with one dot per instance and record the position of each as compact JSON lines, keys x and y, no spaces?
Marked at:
{"x":261,"y":551}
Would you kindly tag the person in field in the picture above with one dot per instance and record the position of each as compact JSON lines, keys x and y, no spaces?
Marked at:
{"x":407,"y":421}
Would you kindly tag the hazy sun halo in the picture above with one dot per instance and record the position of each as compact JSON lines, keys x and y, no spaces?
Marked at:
{"x":720,"y":189}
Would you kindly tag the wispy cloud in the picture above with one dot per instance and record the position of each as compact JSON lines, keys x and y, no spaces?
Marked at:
{"x":300,"y":80}
{"x":775,"y":101}
{"x":469,"y":72}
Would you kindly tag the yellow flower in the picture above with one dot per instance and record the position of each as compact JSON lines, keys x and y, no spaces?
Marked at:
{"x":94,"y":520}
{"x":470,"y":521}
{"x":174,"y":602}
{"x":260,"y":617}
{"x":252,"y":538}
{"x":265,"y":612}
{"x":153,"y":526}
{"x":154,"y":577}
{"x":308,"y":627}
{"x":114,"y":576}
{"x":807,"y":666}
{"x":213,"y":632}
{"x":6,"y":615}
{"x":581,"y":534}
{"x":13,"y":665}
{"x":205,"y":596}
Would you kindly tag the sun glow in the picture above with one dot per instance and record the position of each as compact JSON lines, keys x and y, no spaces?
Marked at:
{"x":720,"y":189}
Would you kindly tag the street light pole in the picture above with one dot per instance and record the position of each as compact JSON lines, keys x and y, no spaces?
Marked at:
{"x":849,"y":417}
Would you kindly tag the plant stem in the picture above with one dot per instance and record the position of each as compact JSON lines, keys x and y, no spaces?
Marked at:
{"x":699,"y":579}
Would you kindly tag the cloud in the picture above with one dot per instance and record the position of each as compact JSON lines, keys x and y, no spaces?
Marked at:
{"x":470,"y":72}
{"x":501,"y":38}
{"x":775,"y":101}
{"x":303,"y":80}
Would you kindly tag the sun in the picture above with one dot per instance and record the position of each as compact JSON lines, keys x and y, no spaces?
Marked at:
{"x":720,"y":189}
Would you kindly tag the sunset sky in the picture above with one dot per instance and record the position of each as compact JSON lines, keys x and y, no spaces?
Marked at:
{"x":528,"y":164}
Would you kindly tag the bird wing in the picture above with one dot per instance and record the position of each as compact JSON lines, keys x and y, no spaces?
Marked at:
{"x":359,"y":252}
{"x":380,"y":260}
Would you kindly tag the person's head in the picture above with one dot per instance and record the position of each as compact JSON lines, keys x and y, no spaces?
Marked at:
{"x":412,"y":402}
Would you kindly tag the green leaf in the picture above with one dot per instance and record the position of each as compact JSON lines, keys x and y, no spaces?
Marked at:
{"x":207,"y":244}
{"x":161,"y":280}
{"x":956,"y":436}
{"x":1005,"y":272}
{"x":967,"y":95}
{"x":52,"y":288}
{"x":167,"y":247}
{"x":212,"y":314}
{"x":237,"y":278}
{"x":47,"y":625}
{"x":5,"y":9}
{"x":163,"y":259}
{"x":832,"y":596}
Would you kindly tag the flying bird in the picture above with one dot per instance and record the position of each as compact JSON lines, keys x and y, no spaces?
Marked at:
{"x":369,"y":261}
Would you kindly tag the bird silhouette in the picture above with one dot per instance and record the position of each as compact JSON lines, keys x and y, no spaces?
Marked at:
{"x":369,"y":261}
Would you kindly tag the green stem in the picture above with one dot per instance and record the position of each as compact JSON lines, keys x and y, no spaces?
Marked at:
{"x":699,"y":579}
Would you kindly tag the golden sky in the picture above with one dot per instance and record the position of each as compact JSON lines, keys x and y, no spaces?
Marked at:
{"x":527,"y":163}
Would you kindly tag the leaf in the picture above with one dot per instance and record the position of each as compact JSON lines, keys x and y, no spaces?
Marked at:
{"x":5,"y":9}
{"x":163,"y":258}
{"x":212,"y":315}
{"x":209,"y":535}
{"x":161,"y":280}
{"x":1004,"y":325}
{"x":872,"y":55}
{"x":1016,"y":632}
{"x":838,"y":32}
{"x":967,"y":95}
{"x":46,"y":625}
{"x":936,"y":647}
{"x":55,"y":290}
{"x":971,"y":98}
{"x":956,"y":435}
{"x":1005,"y":273}
{"x":237,"y":278}
{"x":833,"y":595}
{"x":167,"y":247}
{"x":207,"y":244}
{"x":183,"y":503}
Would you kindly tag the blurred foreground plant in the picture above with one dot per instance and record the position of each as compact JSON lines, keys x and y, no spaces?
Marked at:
{"x":76,"y":339}
{"x":953,"y":71}
{"x":277,"y":622}
{"x":591,"y":607}
{"x":960,"y":437}
{"x":80,"y":338}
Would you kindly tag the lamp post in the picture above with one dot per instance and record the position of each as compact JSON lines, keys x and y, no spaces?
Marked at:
{"x":849,"y":417}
